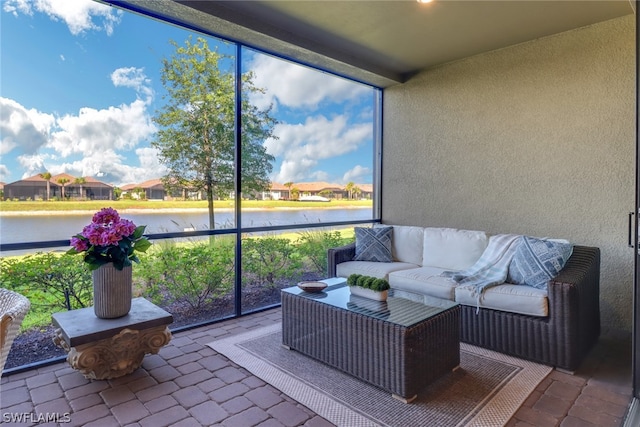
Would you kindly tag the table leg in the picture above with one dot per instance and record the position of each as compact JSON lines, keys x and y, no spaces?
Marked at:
{"x":116,"y":356}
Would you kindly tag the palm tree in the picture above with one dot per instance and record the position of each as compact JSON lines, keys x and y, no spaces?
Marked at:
{"x":349,"y":188}
{"x":295,"y":193}
{"x":62,"y":182}
{"x":289,"y":184}
{"x":47,"y":176}
{"x":357,"y":191}
{"x":80,"y":181}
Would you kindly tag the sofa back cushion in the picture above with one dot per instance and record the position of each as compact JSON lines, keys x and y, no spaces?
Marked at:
{"x":452,"y":249}
{"x":406,"y":244}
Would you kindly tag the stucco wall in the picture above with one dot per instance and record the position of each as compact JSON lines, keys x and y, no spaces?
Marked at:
{"x":535,"y":139}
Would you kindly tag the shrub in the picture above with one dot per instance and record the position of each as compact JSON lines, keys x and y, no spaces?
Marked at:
{"x":52,"y":282}
{"x":195,"y":274}
{"x":266,"y":260}
{"x":313,"y":246}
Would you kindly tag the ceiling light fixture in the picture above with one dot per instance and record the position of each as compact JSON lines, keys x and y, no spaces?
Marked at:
{"x":424,"y":1}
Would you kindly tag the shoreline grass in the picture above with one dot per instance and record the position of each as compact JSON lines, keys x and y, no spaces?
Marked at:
{"x":26,"y":207}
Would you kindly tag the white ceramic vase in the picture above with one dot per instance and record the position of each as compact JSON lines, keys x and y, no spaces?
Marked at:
{"x":368,"y":293}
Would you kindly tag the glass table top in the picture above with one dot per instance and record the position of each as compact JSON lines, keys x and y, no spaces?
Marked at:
{"x":399,"y":311}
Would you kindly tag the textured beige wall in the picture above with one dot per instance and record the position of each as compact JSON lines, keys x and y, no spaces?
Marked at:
{"x":535,"y":139}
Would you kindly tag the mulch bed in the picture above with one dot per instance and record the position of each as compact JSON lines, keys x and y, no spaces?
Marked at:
{"x":36,"y":345}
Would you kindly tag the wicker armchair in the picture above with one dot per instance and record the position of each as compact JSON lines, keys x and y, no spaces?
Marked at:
{"x":13,"y":309}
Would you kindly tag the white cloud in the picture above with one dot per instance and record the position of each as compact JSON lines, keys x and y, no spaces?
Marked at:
{"x":134,"y":78}
{"x":129,"y":77}
{"x":302,"y":146}
{"x":95,"y":131}
{"x":107,"y":166}
{"x":78,"y":15}
{"x":33,"y":164}
{"x":21,"y":127}
{"x":91,"y":143}
{"x":15,"y":6}
{"x":294,"y":170}
{"x":356,"y":174}
{"x":296,"y":86}
{"x":150,"y":166}
{"x":4,"y":173}
{"x":320,"y":176}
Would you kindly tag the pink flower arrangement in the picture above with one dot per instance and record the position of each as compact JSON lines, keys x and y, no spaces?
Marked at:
{"x":109,"y":238}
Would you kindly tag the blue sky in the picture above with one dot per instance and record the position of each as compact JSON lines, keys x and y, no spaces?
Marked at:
{"x":80,"y":84}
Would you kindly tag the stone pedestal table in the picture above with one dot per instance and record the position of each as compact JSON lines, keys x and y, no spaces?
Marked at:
{"x":110,"y":348}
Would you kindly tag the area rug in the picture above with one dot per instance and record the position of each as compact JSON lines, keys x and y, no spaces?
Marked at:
{"x":486,"y":390}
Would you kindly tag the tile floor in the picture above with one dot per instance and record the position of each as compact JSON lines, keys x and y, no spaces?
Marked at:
{"x":172,"y":389}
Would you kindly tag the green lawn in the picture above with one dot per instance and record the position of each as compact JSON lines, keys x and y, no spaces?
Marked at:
{"x":95,"y":205}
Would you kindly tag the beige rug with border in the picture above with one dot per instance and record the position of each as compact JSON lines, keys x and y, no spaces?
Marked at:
{"x":486,"y":391}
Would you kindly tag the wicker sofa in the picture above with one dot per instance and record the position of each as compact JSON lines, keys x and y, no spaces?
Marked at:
{"x":558,"y":330}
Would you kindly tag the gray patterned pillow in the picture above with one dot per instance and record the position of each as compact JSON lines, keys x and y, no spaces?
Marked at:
{"x":536,"y":261}
{"x":373,"y":244}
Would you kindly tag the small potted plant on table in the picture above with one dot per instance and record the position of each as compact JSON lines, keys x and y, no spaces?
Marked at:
{"x":368,"y":287}
{"x":109,"y":244}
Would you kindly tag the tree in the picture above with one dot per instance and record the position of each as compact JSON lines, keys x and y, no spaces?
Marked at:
{"x":295,"y":193}
{"x":356,"y":191}
{"x":349,"y":188}
{"x":62,"y":182}
{"x":139,"y":193}
{"x":325,"y":193}
{"x":47,"y":176}
{"x":289,"y":184}
{"x":198,"y":124}
{"x":80,"y":181}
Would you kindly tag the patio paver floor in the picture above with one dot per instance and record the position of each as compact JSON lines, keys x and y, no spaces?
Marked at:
{"x":172,"y":389}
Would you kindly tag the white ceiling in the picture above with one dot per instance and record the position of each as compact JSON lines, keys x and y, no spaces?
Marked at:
{"x":385,"y":42}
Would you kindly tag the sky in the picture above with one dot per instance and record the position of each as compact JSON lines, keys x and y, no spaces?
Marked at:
{"x":80,"y":86}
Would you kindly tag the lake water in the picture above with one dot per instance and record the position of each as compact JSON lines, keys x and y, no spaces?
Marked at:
{"x":36,"y":228}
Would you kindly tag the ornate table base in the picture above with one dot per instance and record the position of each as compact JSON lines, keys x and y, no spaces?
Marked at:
{"x":117,"y":356}
{"x":110,"y":348}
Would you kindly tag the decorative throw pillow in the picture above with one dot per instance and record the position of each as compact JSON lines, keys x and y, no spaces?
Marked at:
{"x":536,"y":261}
{"x":373,"y":244}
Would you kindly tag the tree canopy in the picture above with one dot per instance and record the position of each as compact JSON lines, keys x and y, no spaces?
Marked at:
{"x":196,"y":139}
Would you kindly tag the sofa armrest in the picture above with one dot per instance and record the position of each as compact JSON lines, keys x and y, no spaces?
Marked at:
{"x":337,"y":255}
{"x":574,"y":301}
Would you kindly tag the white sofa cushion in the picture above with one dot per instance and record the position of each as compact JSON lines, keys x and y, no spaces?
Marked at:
{"x":423,"y":280}
{"x":406,"y":243}
{"x":452,"y":249}
{"x":507,"y":297}
{"x":369,"y":268}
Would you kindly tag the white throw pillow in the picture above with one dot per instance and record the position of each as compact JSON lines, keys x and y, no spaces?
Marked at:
{"x":406,"y":245}
{"x":452,"y":249}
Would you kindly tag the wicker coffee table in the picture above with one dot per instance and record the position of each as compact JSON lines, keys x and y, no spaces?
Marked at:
{"x":399,"y":345}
